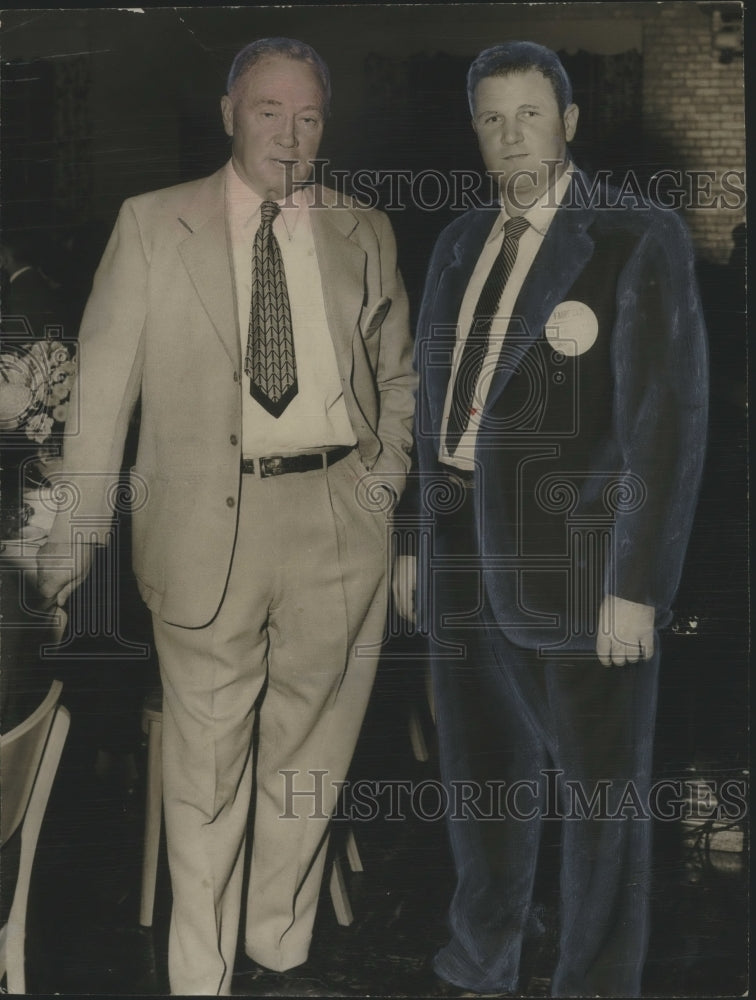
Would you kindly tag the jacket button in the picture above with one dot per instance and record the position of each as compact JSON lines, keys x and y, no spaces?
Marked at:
{"x":230,"y":501}
{"x":234,"y":439}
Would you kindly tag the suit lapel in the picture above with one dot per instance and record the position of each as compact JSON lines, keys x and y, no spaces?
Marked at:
{"x":453,"y":279}
{"x":207,"y":257}
{"x":562,"y":256}
{"x":342,"y":269}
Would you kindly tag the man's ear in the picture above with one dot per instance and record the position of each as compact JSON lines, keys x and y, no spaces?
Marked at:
{"x":227,"y":111}
{"x":570,"y":119}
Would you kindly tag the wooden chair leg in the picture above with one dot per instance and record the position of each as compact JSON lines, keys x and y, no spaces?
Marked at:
{"x":152,"y":821}
{"x":429,"y":693}
{"x":14,"y":933}
{"x":339,"y":896}
{"x":352,"y":852}
{"x":417,"y":737}
{"x":416,"y":731}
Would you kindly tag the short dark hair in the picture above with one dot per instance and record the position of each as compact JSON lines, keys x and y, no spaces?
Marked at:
{"x":519,"y":57}
{"x":289,"y":47}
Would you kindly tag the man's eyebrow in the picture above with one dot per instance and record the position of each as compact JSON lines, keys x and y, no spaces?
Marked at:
{"x":520,"y":107}
{"x":278,"y":104}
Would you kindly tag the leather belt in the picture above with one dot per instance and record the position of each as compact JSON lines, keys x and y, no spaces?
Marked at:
{"x":282,"y":465}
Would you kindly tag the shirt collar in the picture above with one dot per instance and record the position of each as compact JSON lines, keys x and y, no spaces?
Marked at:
{"x":541,"y":214}
{"x":244,"y":204}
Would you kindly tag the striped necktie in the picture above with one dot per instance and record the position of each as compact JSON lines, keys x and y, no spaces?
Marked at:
{"x":476,"y":344}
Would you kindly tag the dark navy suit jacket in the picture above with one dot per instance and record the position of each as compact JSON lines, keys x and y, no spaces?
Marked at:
{"x":587,"y":465}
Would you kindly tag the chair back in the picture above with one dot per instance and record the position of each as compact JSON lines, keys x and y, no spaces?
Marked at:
{"x":20,"y":754}
{"x":29,"y":758}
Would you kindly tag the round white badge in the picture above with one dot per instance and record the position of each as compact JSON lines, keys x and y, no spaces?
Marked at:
{"x":572,"y":328}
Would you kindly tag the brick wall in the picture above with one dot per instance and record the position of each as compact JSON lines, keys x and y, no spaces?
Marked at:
{"x":693,"y":115}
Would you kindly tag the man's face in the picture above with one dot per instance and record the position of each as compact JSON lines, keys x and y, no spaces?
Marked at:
{"x":520,"y":129}
{"x":274,"y":114}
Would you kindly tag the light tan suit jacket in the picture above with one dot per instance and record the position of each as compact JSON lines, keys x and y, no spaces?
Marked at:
{"x":161,"y":322}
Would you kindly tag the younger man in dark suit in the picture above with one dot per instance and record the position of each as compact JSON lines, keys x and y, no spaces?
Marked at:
{"x":561,"y":419}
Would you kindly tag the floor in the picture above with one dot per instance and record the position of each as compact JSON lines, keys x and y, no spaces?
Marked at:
{"x":84,"y":934}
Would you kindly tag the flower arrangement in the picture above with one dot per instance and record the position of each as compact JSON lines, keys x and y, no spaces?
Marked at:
{"x":35,"y":392}
{"x":35,"y":388}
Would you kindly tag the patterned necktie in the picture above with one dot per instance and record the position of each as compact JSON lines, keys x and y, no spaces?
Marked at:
{"x":270,"y":361}
{"x":476,"y":344}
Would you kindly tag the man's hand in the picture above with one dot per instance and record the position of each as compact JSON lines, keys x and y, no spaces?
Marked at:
{"x":403,"y":586}
{"x":626,"y":631}
{"x":60,"y":570}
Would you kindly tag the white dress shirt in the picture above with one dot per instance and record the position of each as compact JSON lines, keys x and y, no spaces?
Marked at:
{"x":539,"y":217}
{"x":317,"y":416}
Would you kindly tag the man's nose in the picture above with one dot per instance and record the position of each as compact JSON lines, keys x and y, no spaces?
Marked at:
{"x":511,"y":131}
{"x":287,"y":137}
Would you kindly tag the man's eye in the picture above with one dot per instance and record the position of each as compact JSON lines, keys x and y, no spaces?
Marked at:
{"x":491,"y":120}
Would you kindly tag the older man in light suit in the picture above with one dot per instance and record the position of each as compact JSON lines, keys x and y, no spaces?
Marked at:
{"x":264,"y":326}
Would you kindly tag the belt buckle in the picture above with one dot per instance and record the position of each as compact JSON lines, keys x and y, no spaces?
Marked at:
{"x":272,"y":466}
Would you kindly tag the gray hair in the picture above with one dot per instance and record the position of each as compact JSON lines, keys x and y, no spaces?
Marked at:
{"x":289,"y":47}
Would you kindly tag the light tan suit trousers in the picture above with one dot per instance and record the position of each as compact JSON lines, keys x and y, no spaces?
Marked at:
{"x":299,"y":628}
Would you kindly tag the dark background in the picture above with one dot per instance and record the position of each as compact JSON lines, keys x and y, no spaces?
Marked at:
{"x":100,"y":105}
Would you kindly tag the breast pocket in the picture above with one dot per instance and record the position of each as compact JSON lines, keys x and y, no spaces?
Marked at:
{"x":375,"y":317}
